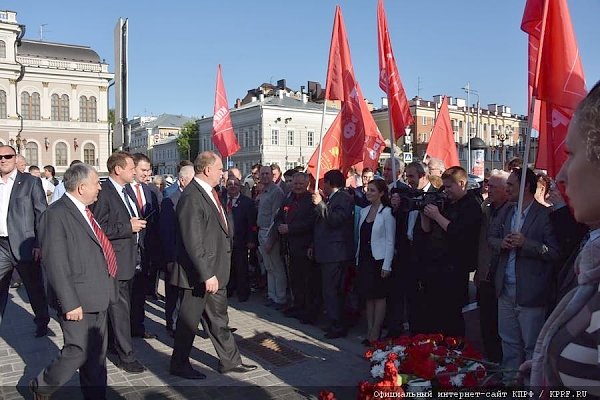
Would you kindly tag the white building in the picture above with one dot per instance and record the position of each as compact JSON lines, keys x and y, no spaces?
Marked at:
{"x":165,"y":156}
{"x":146,"y":132}
{"x":53,"y":99}
{"x":278,"y":129}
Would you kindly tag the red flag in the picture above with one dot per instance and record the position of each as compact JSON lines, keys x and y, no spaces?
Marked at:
{"x":223,"y":134}
{"x":340,"y":74}
{"x":441,"y":144}
{"x":389,"y":78}
{"x":556,"y":76}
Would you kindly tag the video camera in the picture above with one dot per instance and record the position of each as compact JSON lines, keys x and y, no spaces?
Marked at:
{"x":415,"y":199}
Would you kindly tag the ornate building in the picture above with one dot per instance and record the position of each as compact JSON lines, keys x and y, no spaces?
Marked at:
{"x":53,"y":99}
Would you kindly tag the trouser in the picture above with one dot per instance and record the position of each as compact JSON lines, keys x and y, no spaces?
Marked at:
{"x":276,"y":275}
{"x":239,"y":281}
{"x":138,"y":301}
{"x":305,"y":282}
{"x":212,"y":309}
{"x":488,"y":321}
{"x":396,"y":301}
{"x":518,"y":327}
{"x":119,"y":322}
{"x":31,"y":274}
{"x":84,"y":349}
{"x":173,"y":295}
{"x":332,"y":277}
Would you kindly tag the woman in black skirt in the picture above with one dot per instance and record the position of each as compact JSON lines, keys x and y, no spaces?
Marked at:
{"x":374,"y":255}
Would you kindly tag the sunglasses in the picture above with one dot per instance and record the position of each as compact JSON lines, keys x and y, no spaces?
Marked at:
{"x":6,"y":156}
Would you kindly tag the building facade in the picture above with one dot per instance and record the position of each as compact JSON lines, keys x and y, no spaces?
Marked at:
{"x":53,"y":99}
{"x":165,"y":157}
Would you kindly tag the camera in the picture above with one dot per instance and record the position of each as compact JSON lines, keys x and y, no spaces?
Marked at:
{"x":415,"y":199}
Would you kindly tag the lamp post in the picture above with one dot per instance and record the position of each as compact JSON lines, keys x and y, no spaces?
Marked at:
{"x":502,"y":135}
{"x":18,"y":142}
{"x":469,"y":91}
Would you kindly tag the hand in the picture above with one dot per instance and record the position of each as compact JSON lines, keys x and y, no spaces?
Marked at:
{"x":137,"y":224}
{"x":75,"y":315}
{"x":517,"y":240}
{"x":506,"y":243}
{"x":37,"y":254}
{"x":251,"y":245}
{"x":525,"y":367}
{"x":283,"y":229}
{"x":432,"y":211}
{"x":316,"y":198}
{"x":212,"y":285}
{"x":395,"y":200}
{"x":309,"y":253}
{"x":170,"y":266}
{"x":385,"y":273}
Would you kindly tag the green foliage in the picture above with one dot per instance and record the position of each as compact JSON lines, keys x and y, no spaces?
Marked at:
{"x":187,"y":141}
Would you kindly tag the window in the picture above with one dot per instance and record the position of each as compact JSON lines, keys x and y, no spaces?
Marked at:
{"x":424,"y":120}
{"x":2,"y":49}
{"x":61,"y":154}
{"x":2,"y":104}
{"x":59,"y":107}
{"x":31,"y":153}
{"x":275,"y":137}
{"x":89,"y":154}
{"x":290,"y":138}
{"x":87,"y":109}
{"x":310,"y":138}
{"x":246,"y":139}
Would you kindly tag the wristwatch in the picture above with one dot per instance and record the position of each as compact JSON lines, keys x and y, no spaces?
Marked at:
{"x":544,"y":249}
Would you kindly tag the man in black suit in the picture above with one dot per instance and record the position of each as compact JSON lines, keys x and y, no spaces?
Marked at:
{"x":295,"y":223}
{"x":204,"y":262}
{"x":22,"y":201}
{"x":116,"y":213}
{"x":80,"y":265}
{"x":169,"y":235}
{"x":149,"y":245}
{"x":333,"y":246}
{"x":242,"y":211}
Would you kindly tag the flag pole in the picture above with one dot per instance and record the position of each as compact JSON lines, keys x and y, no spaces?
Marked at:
{"x":392,"y":142}
{"x":320,"y":147}
{"x":525,"y":166}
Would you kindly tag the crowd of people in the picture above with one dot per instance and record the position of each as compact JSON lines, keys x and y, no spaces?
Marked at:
{"x":397,"y":251}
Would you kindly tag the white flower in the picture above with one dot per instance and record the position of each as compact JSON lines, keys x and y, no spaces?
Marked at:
{"x":457,"y":380}
{"x":379,"y":355}
{"x":377,"y":371}
{"x":440,"y":369}
{"x":400,"y":350}
{"x":474,"y":366}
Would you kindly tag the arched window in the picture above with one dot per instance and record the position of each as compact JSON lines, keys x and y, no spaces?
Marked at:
{"x":2,"y":104}
{"x":35,"y":106}
{"x":59,"y":107}
{"x":31,"y":153}
{"x":30,"y":105}
{"x":89,"y":154}
{"x":61,"y":154}
{"x":2,"y":49}
{"x":87,"y":109}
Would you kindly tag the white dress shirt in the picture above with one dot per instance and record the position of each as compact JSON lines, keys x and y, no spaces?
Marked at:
{"x":81,"y":207}
{"x":5,"y":191}
{"x":209,"y":191}
{"x":125,"y":198}
{"x":134,"y":186}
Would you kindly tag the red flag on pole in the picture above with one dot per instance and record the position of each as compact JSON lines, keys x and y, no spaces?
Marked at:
{"x":223,"y":135}
{"x":389,"y":78}
{"x":441,"y":143}
{"x":556,"y":76}
{"x":340,"y":74}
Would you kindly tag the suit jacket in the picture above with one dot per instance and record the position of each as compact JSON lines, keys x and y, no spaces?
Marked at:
{"x":243,"y":215}
{"x":26,"y":204}
{"x":383,"y":235}
{"x":205,"y":246}
{"x":534,"y":263}
{"x":113,"y":217}
{"x":333,"y":239}
{"x":169,"y":231}
{"x":149,"y":239}
{"x":300,"y":217}
{"x":74,"y":262}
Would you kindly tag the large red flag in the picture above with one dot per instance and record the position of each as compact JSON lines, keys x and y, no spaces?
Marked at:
{"x":223,"y":134}
{"x":340,"y":74}
{"x":441,"y":143}
{"x":389,"y":78}
{"x":556,"y":76}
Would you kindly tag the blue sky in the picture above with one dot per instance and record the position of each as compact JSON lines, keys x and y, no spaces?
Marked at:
{"x":175,"y":46}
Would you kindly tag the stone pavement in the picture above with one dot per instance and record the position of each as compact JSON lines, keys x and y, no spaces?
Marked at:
{"x":295,"y":361}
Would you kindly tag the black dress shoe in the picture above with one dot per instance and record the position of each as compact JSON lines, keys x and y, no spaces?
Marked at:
{"x":41,"y":331}
{"x":145,"y":335}
{"x":133,"y":367}
{"x":187,"y":373}
{"x":334,"y":334}
{"x":240,"y":369}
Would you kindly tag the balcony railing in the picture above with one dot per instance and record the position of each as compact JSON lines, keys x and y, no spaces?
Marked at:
{"x":59,"y":64}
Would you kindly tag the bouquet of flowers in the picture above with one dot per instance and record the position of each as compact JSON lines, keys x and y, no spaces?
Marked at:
{"x":447,"y":363}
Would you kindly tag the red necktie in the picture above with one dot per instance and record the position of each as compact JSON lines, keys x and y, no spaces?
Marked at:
{"x":107,"y":249}
{"x":229,"y":206}
{"x":138,"y":193}
{"x":219,"y":206}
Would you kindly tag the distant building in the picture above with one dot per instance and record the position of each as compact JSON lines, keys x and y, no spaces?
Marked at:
{"x":60,"y":91}
{"x":165,"y":156}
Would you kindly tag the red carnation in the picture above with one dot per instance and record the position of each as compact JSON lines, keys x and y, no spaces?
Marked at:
{"x":451,"y":342}
{"x":392,"y":357}
{"x":326,"y":395}
{"x":469,"y":380}
{"x":368,"y":354}
{"x":426,"y":369}
{"x":480,"y":372}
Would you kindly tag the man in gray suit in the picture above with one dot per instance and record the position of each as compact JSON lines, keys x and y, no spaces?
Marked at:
{"x":333,"y":246}
{"x":80,"y":264}
{"x":524,"y":273}
{"x":22,"y":201}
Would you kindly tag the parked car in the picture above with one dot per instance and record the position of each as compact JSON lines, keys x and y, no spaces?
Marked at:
{"x":249,"y":181}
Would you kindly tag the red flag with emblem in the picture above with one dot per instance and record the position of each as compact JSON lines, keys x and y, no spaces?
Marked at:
{"x":223,"y":135}
{"x":441,"y":143}
{"x":389,"y":78}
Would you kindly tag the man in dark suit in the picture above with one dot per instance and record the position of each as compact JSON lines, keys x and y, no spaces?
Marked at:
{"x":204,"y":262}
{"x":333,"y":246}
{"x":116,"y":213}
{"x":242,"y":211}
{"x":295,"y":223}
{"x":169,"y":235}
{"x":149,"y":245}
{"x":22,"y":201}
{"x":80,"y":265}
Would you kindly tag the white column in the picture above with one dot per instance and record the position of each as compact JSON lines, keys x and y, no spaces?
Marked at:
{"x":74,"y":104}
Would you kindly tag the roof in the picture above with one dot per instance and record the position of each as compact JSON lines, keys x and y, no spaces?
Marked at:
{"x":58,"y":51}
{"x":286,"y":102}
{"x":166,"y":141}
{"x":168,"y":120}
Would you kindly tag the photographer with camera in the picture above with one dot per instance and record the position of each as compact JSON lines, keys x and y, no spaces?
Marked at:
{"x":453,"y":235}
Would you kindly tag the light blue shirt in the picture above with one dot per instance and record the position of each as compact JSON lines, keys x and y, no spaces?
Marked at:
{"x":510,"y":274}
{"x":59,"y":191}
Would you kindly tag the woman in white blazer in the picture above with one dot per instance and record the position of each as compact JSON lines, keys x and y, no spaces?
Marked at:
{"x":377,"y":232}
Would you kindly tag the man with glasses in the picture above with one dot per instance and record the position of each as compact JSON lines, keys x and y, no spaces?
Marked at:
{"x":22,"y":201}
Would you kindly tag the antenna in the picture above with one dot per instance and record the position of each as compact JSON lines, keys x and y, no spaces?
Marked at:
{"x":419,"y":87}
{"x":42,"y":32}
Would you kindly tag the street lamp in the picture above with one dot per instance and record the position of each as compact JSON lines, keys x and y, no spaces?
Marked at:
{"x":469,"y":91}
{"x":502,"y":135}
{"x":18,"y":142}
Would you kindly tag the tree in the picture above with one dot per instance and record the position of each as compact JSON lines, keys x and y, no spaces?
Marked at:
{"x":187,"y":141}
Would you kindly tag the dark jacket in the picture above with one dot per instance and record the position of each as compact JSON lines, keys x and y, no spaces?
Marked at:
{"x":169,"y":232}
{"x":243,"y":212}
{"x":149,"y":240}
{"x":299,"y":215}
{"x":333,"y":239}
